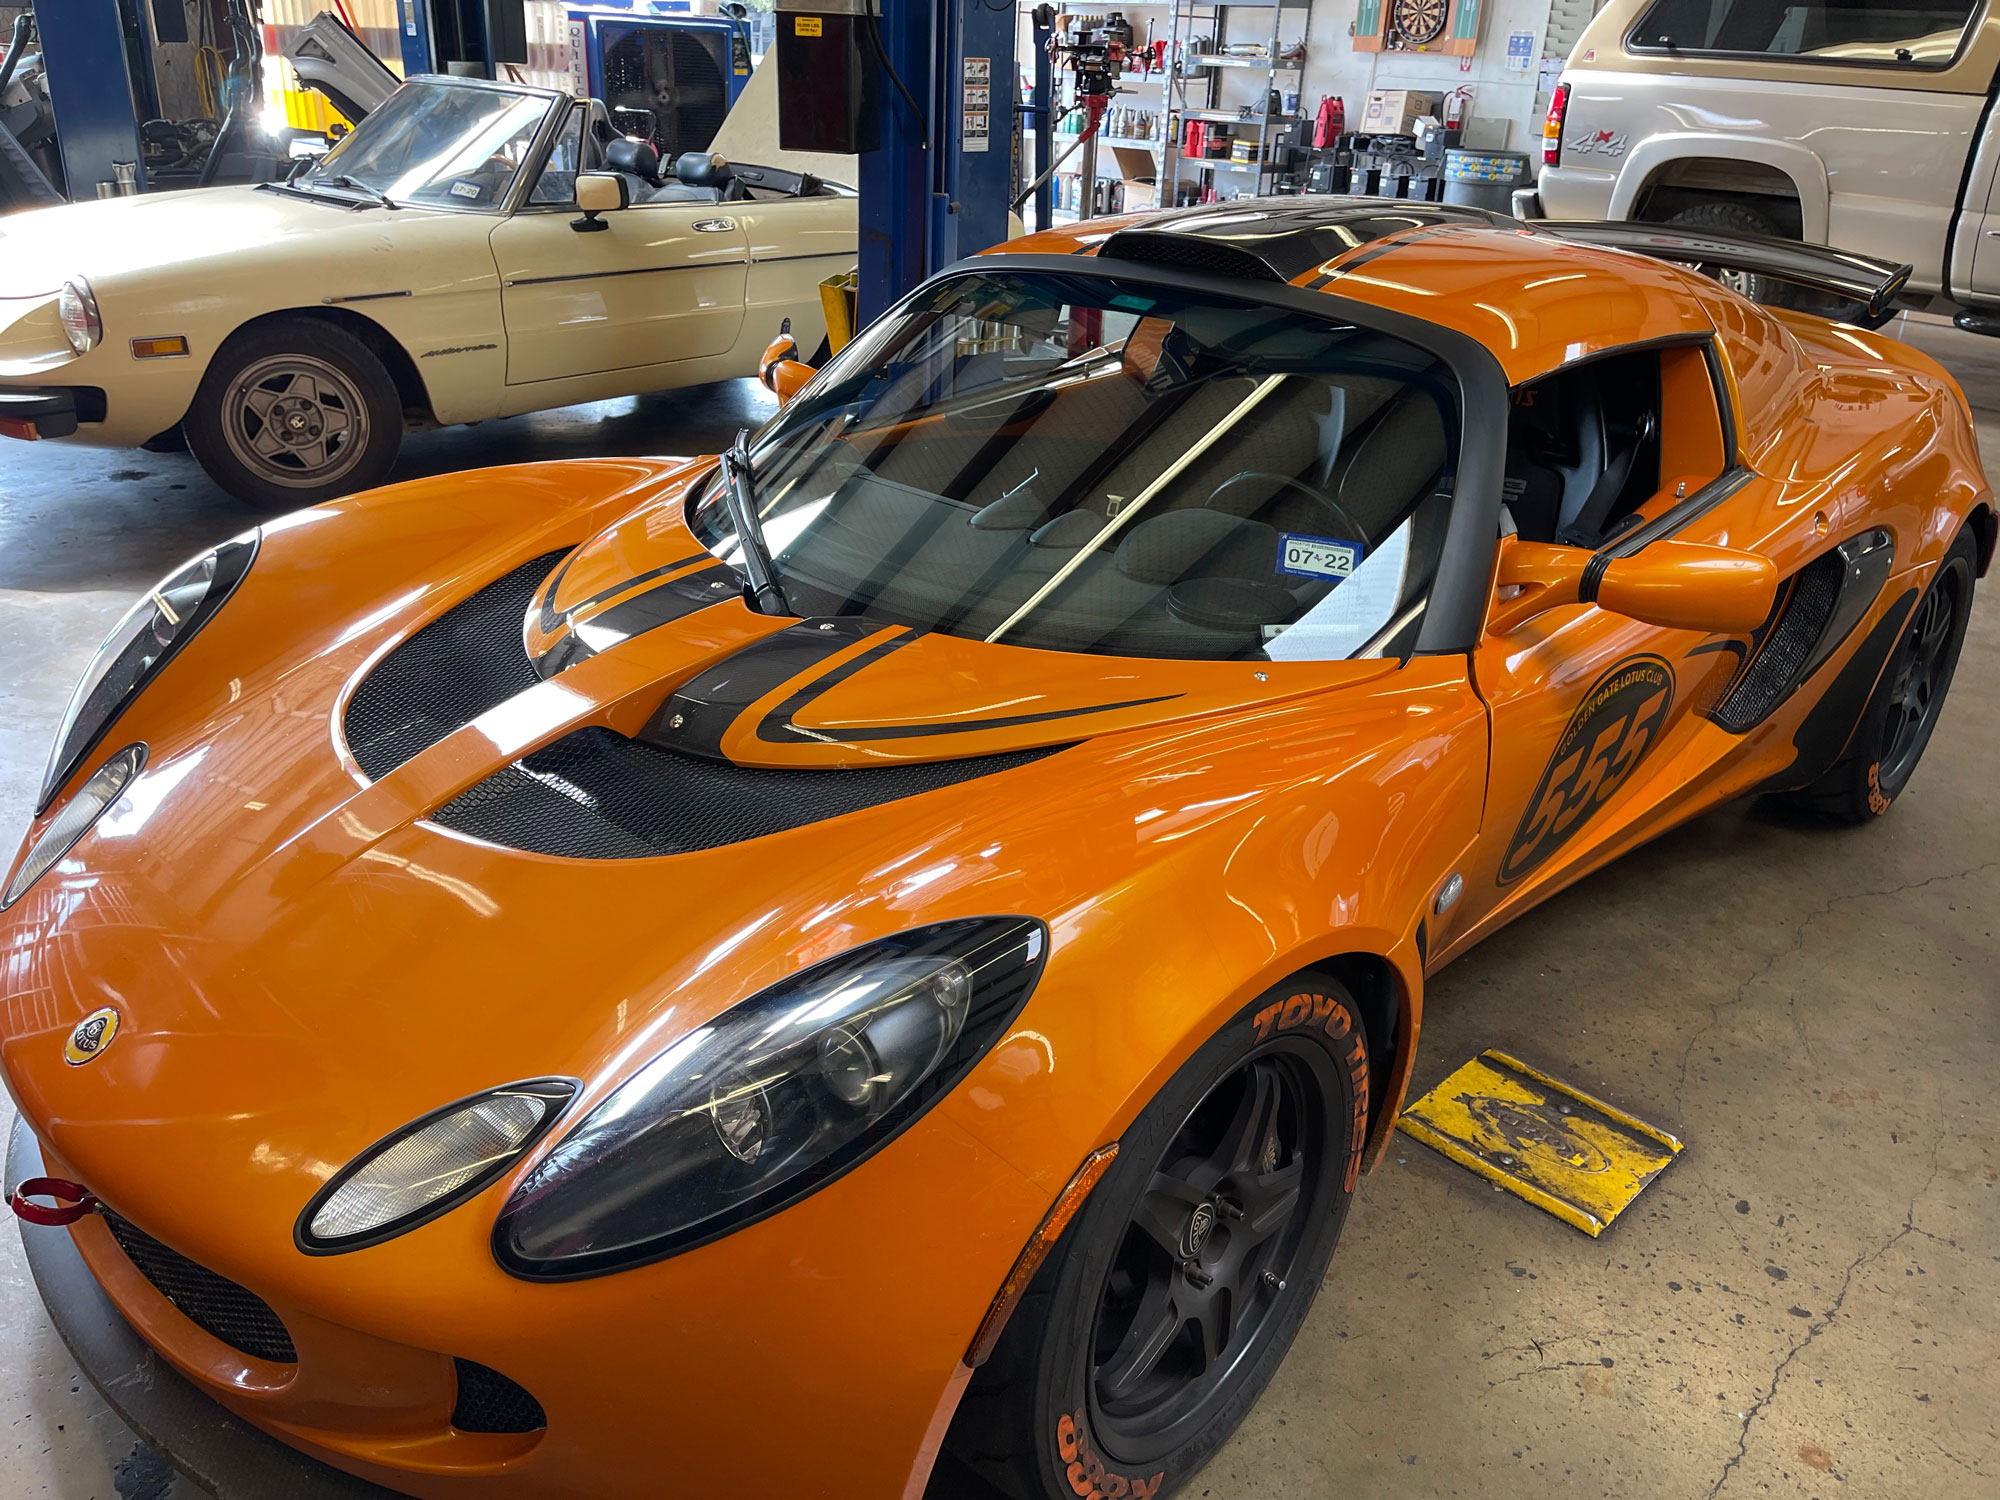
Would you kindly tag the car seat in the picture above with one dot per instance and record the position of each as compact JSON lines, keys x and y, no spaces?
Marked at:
{"x":638,"y":163}
{"x":700,"y":177}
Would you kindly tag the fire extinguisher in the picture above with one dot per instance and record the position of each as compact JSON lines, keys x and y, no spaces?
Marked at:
{"x":1332,"y":122}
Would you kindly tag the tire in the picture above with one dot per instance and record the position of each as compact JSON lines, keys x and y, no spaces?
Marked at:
{"x":1745,"y":220}
{"x":1240,"y":1170}
{"x":1907,"y":701}
{"x":292,"y":411}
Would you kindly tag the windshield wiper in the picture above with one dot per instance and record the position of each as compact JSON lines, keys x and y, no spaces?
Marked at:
{"x":739,"y":494}
{"x":343,"y":180}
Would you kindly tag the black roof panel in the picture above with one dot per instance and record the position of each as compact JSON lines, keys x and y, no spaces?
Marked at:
{"x":1280,"y":239}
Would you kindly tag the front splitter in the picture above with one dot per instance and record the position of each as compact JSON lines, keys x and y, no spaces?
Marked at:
{"x":217,"y":1450}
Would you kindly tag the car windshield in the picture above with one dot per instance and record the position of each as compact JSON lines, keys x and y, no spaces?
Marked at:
{"x":449,"y":145}
{"x":1072,"y":464}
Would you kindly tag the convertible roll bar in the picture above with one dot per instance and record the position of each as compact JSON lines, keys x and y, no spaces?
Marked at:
{"x":1819,"y":268}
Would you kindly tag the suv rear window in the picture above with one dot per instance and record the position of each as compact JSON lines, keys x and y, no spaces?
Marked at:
{"x":1879,"y":33}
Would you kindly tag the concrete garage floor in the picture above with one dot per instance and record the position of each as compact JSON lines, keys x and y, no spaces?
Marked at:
{"x":1807,"y":1303}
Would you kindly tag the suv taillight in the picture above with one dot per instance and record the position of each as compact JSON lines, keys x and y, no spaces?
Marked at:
{"x":1552,"y":127}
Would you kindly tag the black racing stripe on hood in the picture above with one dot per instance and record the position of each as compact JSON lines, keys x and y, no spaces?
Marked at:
{"x":593,"y":794}
{"x":695,"y":718}
{"x":550,"y":617}
{"x":660,"y":605}
{"x":697,"y":714}
{"x":467,"y":660}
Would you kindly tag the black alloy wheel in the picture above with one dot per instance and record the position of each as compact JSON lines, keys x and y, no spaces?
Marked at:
{"x":1206,"y":1256}
{"x":1907,"y":701}
{"x":1170,"y":1300}
{"x":1923,"y":670}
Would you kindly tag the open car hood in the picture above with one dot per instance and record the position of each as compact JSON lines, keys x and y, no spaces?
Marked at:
{"x":750,"y":133}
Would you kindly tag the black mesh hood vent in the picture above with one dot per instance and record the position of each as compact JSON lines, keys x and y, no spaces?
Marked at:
{"x":594,"y":794}
{"x":469,"y":659}
{"x":216,"y":1305}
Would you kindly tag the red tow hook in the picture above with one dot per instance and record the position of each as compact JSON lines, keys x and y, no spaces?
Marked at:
{"x":74,"y":1200}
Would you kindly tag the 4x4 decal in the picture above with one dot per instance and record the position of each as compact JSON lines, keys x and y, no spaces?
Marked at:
{"x":1604,"y":741}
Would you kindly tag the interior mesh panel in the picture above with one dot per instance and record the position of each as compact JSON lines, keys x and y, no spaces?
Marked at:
{"x":489,"y":1402}
{"x":467,"y":660}
{"x":214,"y":1304}
{"x":1186,"y":252}
{"x":596,"y":795}
{"x":1770,"y":678}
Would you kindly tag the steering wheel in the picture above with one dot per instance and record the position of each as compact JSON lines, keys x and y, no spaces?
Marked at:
{"x":1347,"y":530}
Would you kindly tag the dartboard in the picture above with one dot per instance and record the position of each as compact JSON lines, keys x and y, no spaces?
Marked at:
{"x":1418,"y":21}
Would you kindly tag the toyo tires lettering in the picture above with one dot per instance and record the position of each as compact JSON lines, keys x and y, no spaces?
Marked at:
{"x":1609,"y":734}
{"x":1329,"y":1015}
{"x":1088,"y":1478}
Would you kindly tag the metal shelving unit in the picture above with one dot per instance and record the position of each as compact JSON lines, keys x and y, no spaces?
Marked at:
{"x":1189,"y":71}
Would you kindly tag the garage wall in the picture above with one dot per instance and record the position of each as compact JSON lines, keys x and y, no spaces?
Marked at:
{"x":1512,"y":98}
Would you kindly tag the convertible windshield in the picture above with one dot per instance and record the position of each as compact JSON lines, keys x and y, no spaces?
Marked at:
{"x":1064,"y":463}
{"x":450,"y":145}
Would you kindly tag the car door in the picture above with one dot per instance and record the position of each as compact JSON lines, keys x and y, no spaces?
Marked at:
{"x":659,"y":282}
{"x":1585,"y":704}
{"x":795,"y":244}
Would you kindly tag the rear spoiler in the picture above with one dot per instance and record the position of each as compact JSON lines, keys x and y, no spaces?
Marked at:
{"x":1818,"y":268}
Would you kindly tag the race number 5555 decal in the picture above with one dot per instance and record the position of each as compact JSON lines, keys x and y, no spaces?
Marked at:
{"x":1606,"y":738}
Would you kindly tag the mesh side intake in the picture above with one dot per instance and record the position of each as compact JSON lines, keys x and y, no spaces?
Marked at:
{"x":1774,"y":672}
{"x":596,"y":795}
{"x":489,"y":1402}
{"x":216,"y":1305}
{"x":467,"y":660}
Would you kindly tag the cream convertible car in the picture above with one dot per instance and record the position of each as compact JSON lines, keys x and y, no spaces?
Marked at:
{"x":433,"y":268}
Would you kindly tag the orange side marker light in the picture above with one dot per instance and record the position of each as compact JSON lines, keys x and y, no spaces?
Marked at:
{"x":1054,"y":1222}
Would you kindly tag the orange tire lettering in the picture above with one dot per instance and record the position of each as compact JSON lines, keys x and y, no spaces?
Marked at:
{"x":1265,"y":1020}
{"x":1339,"y":1023}
{"x":1079,"y":1481}
{"x":1066,"y":1438}
{"x":1146,"y":1489}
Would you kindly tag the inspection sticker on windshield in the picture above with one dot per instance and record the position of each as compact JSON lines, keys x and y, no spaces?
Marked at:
{"x":1317,"y":556}
{"x":463,"y":189}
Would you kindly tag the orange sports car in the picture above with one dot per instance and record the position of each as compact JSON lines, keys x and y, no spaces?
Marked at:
{"x":877,"y":961}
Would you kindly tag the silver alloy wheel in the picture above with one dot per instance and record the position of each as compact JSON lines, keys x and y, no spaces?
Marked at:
{"x":295,"y":420}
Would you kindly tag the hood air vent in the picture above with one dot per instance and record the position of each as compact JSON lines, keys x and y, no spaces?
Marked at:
{"x":594,"y":794}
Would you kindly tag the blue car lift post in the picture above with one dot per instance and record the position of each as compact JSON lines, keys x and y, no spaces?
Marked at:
{"x":938,"y":188}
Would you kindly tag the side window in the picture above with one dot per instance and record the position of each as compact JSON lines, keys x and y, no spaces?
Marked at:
{"x":557,"y":182}
{"x":1589,"y":446}
{"x":1907,"y":33}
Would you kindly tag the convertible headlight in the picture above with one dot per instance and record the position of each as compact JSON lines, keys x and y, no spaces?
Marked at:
{"x":772,"y":1100}
{"x":76,"y":305}
{"x":138,"y":646}
{"x":100,"y":792}
{"x":430,"y":1166}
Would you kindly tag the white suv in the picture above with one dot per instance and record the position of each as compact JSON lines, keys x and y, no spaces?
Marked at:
{"x":1864,"y":126}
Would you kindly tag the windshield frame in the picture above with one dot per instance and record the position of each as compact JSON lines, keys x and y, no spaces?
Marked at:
{"x":1455,"y":610}
{"x":556,"y":103}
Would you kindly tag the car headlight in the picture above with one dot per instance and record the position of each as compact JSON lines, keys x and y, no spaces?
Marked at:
{"x":772,"y":1100}
{"x":102,"y":791}
{"x":138,"y":647}
{"x":430,"y":1166}
{"x":76,"y":305}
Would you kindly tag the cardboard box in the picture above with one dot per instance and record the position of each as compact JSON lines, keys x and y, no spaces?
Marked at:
{"x":1396,"y":111}
{"x":1138,"y":179}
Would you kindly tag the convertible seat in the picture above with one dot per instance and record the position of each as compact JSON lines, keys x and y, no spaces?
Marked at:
{"x":638,"y":163}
